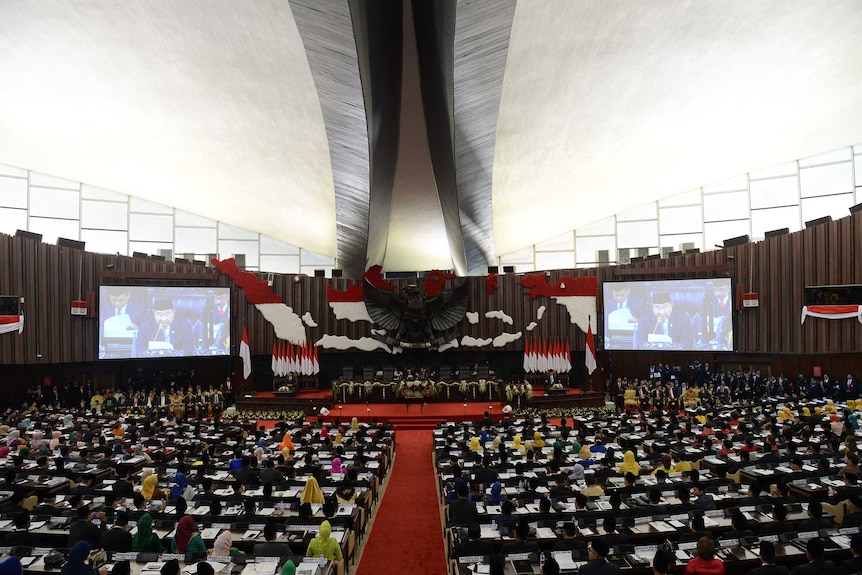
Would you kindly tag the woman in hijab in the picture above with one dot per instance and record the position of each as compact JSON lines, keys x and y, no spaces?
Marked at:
{"x":585,"y":456}
{"x":474,"y":444}
{"x":54,"y":443}
{"x":496,"y":496}
{"x":144,"y":540}
{"x":537,"y":440}
{"x":37,"y":441}
{"x":223,"y":545}
{"x":516,"y":444}
{"x":354,"y":424}
{"x":139,"y":452}
{"x":13,"y":439}
{"x":629,"y":464}
{"x":287,"y":443}
{"x":338,"y":437}
{"x":150,"y":489}
{"x":179,"y":486}
{"x":345,"y":492}
{"x":187,"y":538}
{"x":11,"y":566}
{"x":577,"y":474}
{"x":323,"y":545}
{"x":289,"y":568}
{"x":77,"y":562}
{"x":311,"y":493}
{"x":324,"y":432}
{"x":336,"y":467}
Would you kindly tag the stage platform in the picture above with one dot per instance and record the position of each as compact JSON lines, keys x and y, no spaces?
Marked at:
{"x":412,"y":414}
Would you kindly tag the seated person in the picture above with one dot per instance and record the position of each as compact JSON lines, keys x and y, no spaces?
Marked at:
{"x":520,"y":544}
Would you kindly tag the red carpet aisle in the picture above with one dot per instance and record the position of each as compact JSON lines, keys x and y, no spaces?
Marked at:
{"x":407,"y":536}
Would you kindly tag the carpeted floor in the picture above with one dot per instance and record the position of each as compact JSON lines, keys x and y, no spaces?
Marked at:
{"x":407,"y":536}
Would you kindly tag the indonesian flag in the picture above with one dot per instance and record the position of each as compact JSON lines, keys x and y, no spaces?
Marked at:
{"x":527,"y":357}
{"x":590,"y":351}
{"x":568,"y":356}
{"x":274,"y":363}
{"x":245,"y":354}
{"x":10,"y":323}
{"x":832,"y":312}
{"x":315,"y":362}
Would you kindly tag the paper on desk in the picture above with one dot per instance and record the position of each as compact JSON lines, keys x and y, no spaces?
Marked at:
{"x":481,"y":568}
{"x":545,"y":533}
{"x":489,"y":531}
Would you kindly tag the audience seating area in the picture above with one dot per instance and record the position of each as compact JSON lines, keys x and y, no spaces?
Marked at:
{"x":531,"y":490}
{"x":69,"y":478}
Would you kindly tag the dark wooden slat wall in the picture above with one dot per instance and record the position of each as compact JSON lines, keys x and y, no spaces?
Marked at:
{"x":50,"y":277}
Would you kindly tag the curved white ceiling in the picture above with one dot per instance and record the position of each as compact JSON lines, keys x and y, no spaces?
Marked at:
{"x":211,"y":107}
{"x":608,"y":105}
{"x":205,"y":106}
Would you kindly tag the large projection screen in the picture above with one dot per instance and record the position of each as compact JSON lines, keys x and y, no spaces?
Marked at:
{"x":160,"y":321}
{"x":672,"y":315}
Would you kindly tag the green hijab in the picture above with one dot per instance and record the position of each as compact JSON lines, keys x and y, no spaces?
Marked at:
{"x":289,"y":568}
{"x":144,"y":535}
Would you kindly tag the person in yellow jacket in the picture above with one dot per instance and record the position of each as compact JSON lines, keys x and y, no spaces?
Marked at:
{"x":629,"y":464}
{"x":324,"y":545}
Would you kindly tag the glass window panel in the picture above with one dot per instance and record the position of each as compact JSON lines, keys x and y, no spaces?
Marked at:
{"x":826,"y":180}
{"x":189,"y":219}
{"x":774,"y":193}
{"x":269,"y":245}
{"x":600,"y":228}
{"x":94,"y":193}
{"x":226,"y":232}
{"x":12,"y":171}
{"x":524,"y":268}
{"x":37,"y":179}
{"x":106,"y":241}
{"x":137,"y":205}
{"x":717,"y":232}
{"x":150,"y":248}
{"x":13,"y":193}
{"x":835,"y":206}
{"x":195,"y":240}
{"x":227,"y":248}
{"x":729,"y":185}
{"x":151,"y":228}
{"x":727,"y":206}
{"x":588,"y":248}
{"x":680,"y":220}
{"x":50,"y":203}
{"x":683,"y":199}
{"x":858,"y":171}
{"x":524,"y":255}
{"x":788,"y":169}
{"x":104,"y":215}
{"x":51,"y":229}
{"x":676,"y":240}
{"x":564,"y":241}
{"x":555,"y":260}
{"x":763,"y":221}
{"x":310,"y":258}
{"x":12,"y":220}
{"x":280,"y":264}
{"x":837,"y":156}
{"x":637,"y":234}
{"x":644,"y":212}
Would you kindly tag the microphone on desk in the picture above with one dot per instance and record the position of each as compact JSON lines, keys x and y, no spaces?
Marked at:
{"x":158,"y":331}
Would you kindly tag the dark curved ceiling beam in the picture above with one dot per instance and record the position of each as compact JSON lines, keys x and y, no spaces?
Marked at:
{"x":377,"y":29}
{"x":327,"y":34}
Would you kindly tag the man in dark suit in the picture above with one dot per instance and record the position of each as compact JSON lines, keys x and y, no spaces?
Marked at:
{"x":767,"y":560}
{"x":661,"y":326}
{"x":271,"y":548}
{"x":119,"y":304}
{"x":853,"y":565}
{"x":598,"y":551}
{"x":118,"y":538}
{"x":569,"y":542}
{"x":86,"y":529}
{"x":462,"y":511}
{"x":474,"y":546}
{"x":165,"y":332}
{"x":21,"y":535}
{"x":814,"y":552}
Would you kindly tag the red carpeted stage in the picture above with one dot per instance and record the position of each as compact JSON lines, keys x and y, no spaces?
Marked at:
{"x":409,"y":414}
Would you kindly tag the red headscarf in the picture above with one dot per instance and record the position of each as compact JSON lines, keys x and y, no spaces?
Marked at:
{"x":185,"y":528}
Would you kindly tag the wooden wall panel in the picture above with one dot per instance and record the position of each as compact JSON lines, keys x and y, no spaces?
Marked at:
{"x":779,"y":268}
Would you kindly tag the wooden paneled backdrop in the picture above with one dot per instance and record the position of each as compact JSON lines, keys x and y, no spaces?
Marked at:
{"x":50,"y":277}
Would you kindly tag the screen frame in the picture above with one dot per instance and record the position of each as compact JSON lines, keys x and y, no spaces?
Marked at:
{"x":190,"y":303}
{"x":646,"y":287}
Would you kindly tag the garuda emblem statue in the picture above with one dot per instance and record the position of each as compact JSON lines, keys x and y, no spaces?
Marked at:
{"x":412,"y":319}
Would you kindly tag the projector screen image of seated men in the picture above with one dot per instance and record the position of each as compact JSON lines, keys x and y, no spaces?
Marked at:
{"x":677,"y":315}
{"x":139,"y":321}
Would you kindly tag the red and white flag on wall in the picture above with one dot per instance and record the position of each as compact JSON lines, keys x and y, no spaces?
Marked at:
{"x":590,"y":351}
{"x":10,"y":323}
{"x":245,"y":354}
{"x":832,"y":312}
